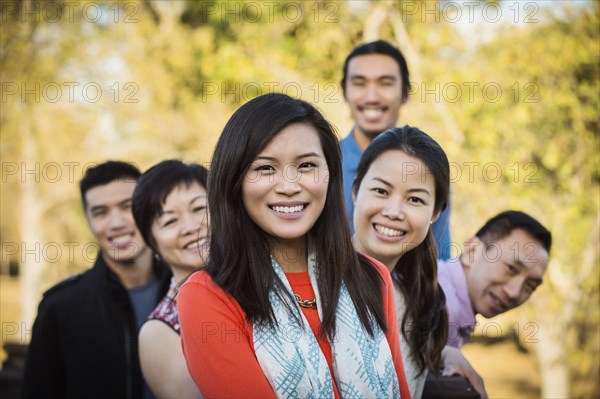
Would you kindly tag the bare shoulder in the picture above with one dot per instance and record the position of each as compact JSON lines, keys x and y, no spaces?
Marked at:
{"x":157,"y":344}
{"x":162,"y":361}
{"x":153,"y":330}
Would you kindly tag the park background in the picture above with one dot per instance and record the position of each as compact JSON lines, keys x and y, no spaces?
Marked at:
{"x":509,"y":88}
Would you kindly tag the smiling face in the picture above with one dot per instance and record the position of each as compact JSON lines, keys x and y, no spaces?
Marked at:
{"x":181,"y":230}
{"x":505,"y":274}
{"x":285,"y":187}
{"x":374,"y":93}
{"x":108,"y":212}
{"x":393,"y":207}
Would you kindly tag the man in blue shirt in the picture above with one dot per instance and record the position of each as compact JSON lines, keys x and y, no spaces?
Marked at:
{"x":375,"y":85}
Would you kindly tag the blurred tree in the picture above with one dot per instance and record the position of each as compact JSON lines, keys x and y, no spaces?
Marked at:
{"x":535,"y":147}
{"x":28,"y":68}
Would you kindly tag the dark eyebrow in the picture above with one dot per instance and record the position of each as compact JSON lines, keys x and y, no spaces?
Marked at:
{"x":266,"y":158}
{"x":383,"y":181}
{"x":307,"y":155}
{"x":383,"y":77}
{"x":419,"y":190}
{"x":197,"y":198}
{"x":412,"y":190}
{"x":163,"y":212}
{"x":95,"y":208}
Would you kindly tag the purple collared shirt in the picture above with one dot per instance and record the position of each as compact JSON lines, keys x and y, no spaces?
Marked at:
{"x":461,"y":316}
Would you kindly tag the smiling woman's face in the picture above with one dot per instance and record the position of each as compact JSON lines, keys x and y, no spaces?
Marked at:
{"x":285,"y":188}
{"x":393,"y":207}
{"x":181,"y":230}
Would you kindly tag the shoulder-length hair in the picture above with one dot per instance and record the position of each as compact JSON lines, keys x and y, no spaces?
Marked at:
{"x":425,"y":322}
{"x":154,"y":186}
{"x":239,"y":258}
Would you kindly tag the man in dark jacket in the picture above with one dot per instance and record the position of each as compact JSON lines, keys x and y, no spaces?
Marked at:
{"x":84,"y":339}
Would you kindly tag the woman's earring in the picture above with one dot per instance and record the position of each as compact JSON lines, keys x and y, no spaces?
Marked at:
{"x":157,"y":257}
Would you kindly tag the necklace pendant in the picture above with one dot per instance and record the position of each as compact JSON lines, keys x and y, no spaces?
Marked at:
{"x":306,"y":303}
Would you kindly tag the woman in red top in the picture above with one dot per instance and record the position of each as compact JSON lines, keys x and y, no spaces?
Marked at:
{"x":285,"y":307}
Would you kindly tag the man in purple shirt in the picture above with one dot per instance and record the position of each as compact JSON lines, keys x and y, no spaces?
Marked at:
{"x":498,"y":270}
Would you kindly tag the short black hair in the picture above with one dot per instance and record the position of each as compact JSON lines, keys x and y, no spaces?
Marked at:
{"x":154,"y":186}
{"x":504,"y":223}
{"x":105,"y":173}
{"x":385,"y":48}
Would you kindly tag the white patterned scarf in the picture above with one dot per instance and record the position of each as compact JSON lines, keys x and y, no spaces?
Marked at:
{"x":292,"y":361}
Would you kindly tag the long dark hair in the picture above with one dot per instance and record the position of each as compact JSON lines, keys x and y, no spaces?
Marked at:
{"x":239,"y":259}
{"x":425,"y":322}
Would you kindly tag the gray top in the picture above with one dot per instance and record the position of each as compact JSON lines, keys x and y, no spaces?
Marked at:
{"x":143,"y":300}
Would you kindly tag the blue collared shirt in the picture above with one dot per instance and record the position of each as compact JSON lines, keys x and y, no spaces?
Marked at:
{"x":351,"y":154}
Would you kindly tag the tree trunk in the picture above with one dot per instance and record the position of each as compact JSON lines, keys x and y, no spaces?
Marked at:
{"x":376,"y":18}
{"x":554,"y":368}
{"x":414,"y":60}
{"x":373,"y":23}
{"x":33,"y":238}
{"x":554,"y":328}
